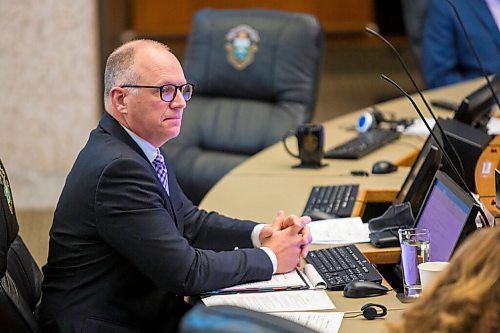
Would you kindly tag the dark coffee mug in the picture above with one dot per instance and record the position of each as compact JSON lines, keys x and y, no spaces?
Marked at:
{"x":310,"y":139}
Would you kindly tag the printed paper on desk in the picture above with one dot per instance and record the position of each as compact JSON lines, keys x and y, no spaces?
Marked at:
{"x":340,"y":231}
{"x":493,"y":126}
{"x":323,"y":322}
{"x":293,"y":280}
{"x":287,"y":281}
{"x":418,"y":127}
{"x":280,"y":301}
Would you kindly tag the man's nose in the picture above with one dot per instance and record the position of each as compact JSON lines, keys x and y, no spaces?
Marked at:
{"x":179,"y":101}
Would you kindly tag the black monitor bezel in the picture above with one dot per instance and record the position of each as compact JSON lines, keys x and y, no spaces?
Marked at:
{"x":429,"y":160}
{"x":469,"y":225}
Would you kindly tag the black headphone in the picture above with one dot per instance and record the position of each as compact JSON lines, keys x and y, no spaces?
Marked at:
{"x":372,"y":119}
{"x":369,"y":311}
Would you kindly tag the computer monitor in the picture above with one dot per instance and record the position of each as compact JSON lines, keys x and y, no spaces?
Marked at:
{"x":475,"y":109}
{"x":420,"y":177}
{"x":449,"y":213}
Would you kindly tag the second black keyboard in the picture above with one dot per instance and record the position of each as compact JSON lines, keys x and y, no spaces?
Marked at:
{"x":341,"y":265}
{"x":337,"y":200}
{"x":362,"y":144}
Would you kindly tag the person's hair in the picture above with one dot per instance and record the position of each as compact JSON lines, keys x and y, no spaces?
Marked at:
{"x":465,"y":297}
{"x":120,"y":65}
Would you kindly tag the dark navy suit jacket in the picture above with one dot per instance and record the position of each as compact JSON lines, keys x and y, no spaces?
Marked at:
{"x":123,"y":253}
{"x":447,"y":57}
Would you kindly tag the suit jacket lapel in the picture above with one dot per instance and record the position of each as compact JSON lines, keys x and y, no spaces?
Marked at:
{"x":111,"y":125}
{"x":481,"y":10}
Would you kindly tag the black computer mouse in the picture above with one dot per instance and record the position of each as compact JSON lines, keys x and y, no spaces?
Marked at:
{"x":358,"y":289}
{"x":381,"y":167}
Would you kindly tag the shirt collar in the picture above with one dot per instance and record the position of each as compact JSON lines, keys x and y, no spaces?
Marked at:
{"x":494,"y":6}
{"x":149,"y":150}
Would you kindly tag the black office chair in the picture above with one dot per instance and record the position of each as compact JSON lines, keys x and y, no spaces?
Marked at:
{"x":414,"y":13}
{"x":20,"y":277}
{"x":232,"y":319}
{"x":256,"y":77}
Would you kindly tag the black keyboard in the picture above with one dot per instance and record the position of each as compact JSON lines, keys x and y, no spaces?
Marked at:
{"x":363,"y":144}
{"x":342,"y":264}
{"x":337,"y":200}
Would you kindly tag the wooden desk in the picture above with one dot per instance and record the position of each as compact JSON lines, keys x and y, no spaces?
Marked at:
{"x":264,"y":183}
{"x":257,"y":188}
{"x":485,"y":175}
{"x":352,"y":306}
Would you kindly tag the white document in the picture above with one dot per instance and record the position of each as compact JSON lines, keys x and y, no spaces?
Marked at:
{"x":340,"y":231}
{"x":418,"y":127}
{"x":287,"y":281}
{"x":323,"y":322}
{"x":311,"y":275}
{"x":278,"y":301}
{"x":493,"y":126}
{"x":309,"y":278}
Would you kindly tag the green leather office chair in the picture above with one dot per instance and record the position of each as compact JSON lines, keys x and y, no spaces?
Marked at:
{"x":256,"y":77}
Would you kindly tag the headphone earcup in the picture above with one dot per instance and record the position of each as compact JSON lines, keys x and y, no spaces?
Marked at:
{"x":370,"y":310}
{"x":369,"y":120}
{"x":370,"y":313}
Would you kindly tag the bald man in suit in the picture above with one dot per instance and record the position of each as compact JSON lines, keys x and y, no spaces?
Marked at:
{"x":126,"y":245}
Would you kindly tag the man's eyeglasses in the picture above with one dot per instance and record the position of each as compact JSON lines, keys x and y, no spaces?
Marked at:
{"x":168,"y":91}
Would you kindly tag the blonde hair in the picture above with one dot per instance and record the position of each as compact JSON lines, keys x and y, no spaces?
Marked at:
{"x":466,"y":296}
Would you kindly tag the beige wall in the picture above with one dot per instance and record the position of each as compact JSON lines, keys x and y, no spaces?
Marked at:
{"x":49,"y":98}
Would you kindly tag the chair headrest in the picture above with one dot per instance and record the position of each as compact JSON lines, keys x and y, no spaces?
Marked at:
{"x":234,"y":53}
{"x":8,"y":221}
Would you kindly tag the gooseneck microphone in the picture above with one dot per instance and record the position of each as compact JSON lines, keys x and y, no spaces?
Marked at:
{"x":407,"y":71}
{"x":445,"y":154}
{"x":473,"y":50}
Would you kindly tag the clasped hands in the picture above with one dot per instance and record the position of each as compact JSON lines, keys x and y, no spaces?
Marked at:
{"x":289,"y":238}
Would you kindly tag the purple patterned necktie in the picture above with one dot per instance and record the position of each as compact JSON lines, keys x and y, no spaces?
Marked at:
{"x":161,"y":169}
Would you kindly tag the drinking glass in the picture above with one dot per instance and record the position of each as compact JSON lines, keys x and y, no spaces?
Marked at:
{"x":415,"y":249}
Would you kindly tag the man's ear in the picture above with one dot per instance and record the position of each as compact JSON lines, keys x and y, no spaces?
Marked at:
{"x":117,"y":95}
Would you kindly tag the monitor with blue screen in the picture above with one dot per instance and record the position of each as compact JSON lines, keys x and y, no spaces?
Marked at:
{"x":449,"y":214}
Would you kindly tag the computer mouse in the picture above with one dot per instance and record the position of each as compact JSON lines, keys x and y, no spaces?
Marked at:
{"x":381,"y":167}
{"x":358,"y":289}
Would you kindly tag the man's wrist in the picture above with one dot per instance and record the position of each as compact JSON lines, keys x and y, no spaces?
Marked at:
{"x":255,"y":236}
{"x":272,"y":257}
{"x":256,"y":243}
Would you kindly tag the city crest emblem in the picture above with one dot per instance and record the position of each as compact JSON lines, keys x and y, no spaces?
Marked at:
{"x":6,"y":189}
{"x":241,"y":46}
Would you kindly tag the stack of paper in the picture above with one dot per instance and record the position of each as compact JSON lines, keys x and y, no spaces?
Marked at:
{"x":278,"y":301}
{"x":340,"y":231}
{"x":324,"y":322}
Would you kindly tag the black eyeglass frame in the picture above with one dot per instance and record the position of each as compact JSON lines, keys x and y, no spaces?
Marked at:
{"x":177,"y":88}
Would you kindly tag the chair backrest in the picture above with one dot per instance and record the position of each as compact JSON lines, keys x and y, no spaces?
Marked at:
{"x":232,"y":319}
{"x":414,"y":13}
{"x":256,"y":75}
{"x":20,"y":277}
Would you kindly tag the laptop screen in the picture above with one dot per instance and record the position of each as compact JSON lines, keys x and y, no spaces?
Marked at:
{"x":447,"y":211}
{"x":420,"y":177}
